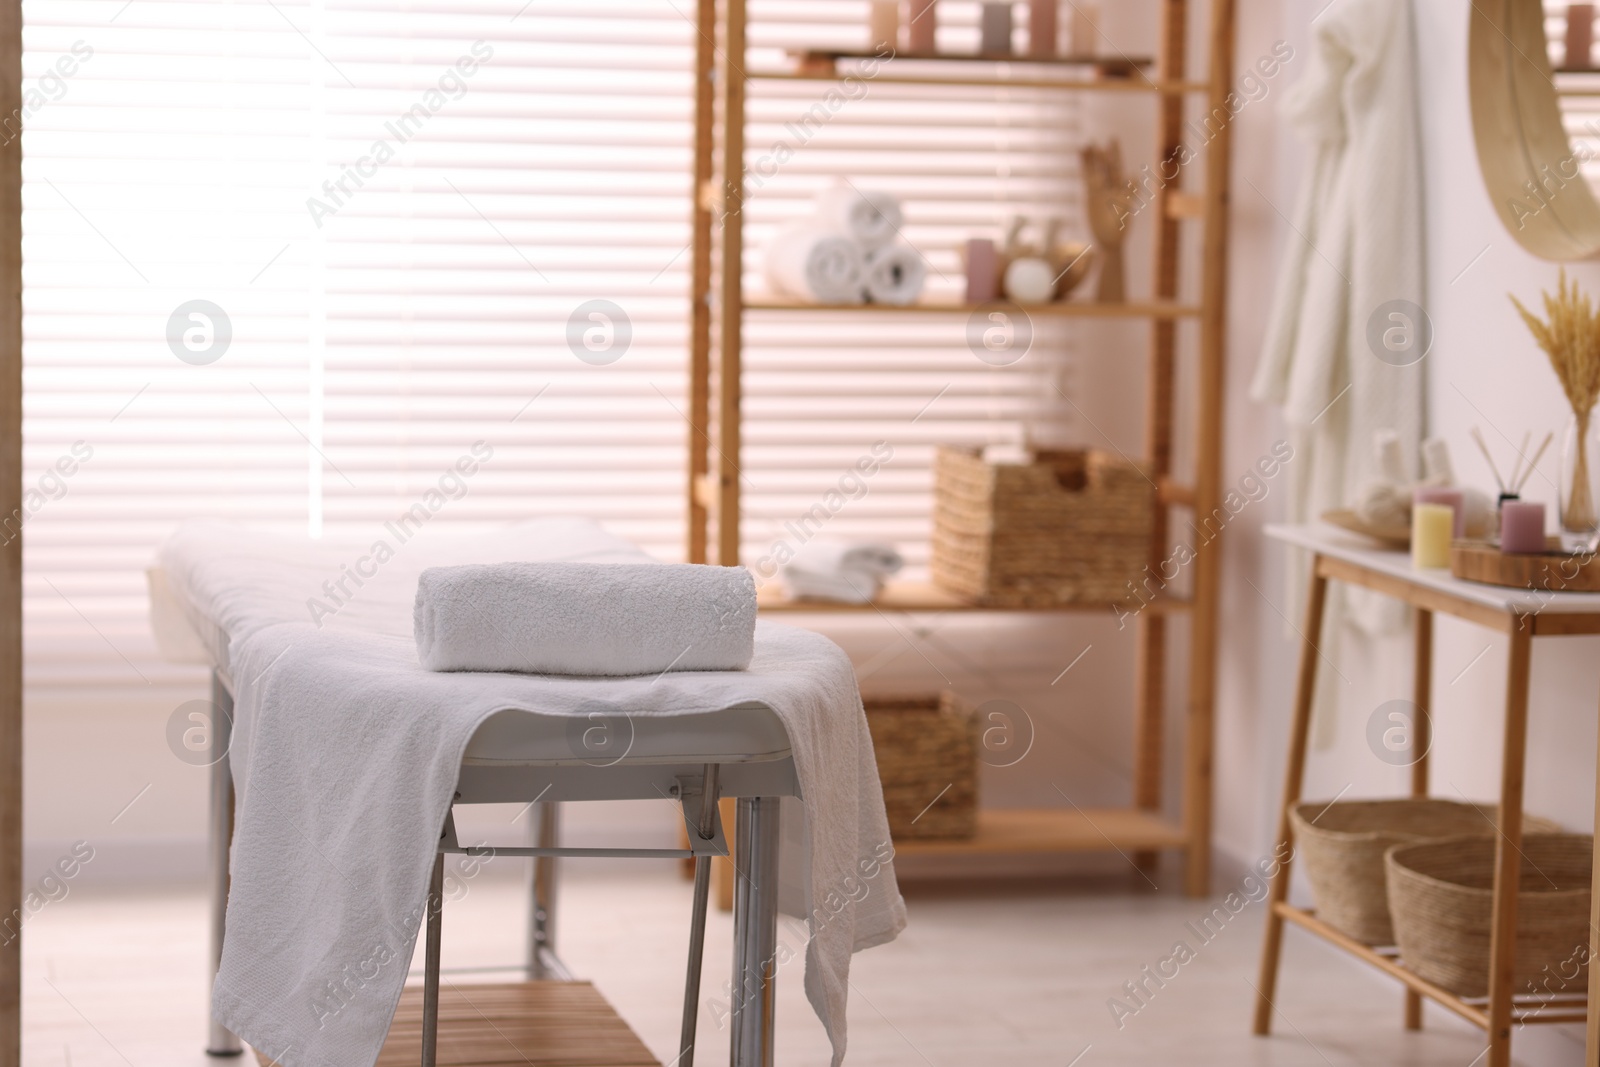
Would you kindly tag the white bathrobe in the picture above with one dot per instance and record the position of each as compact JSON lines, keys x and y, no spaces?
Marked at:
{"x":1356,"y":245}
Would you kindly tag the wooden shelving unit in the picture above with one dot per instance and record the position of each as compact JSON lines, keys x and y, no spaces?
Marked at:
{"x":720,"y":307}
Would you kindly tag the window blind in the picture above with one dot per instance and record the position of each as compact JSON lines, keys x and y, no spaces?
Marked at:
{"x":825,"y":390}
{"x":1580,"y":110}
{"x":286,"y":261}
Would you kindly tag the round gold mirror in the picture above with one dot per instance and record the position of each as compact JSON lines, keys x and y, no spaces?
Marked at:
{"x":1534,"y":173}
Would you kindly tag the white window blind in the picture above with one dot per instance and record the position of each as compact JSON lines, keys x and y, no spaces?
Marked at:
{"x":822,"y":389}
{"x":1580,"y":110}
{"x":481,"y":174}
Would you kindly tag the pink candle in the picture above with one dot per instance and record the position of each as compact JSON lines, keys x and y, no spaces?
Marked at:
{"x":1521,"y":526}
{"x":1042,"y":31}
{"x":921,"y":38}
{"x":1453,"y":499}
{"x":983,"y":271}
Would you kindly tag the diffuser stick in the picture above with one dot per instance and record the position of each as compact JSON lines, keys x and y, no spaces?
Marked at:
{"x":1522,"y":454}
{"x":1533,"y":463}
{"x":1477,"y":435}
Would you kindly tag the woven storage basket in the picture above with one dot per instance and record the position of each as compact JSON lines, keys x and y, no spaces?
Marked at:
{"x":923,"y":744}
{"x":1440,"y":895}
{"x":1343,"y":852}
{"x":1071,"y":527}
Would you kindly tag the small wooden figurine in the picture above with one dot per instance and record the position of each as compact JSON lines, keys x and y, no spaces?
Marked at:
{"x":1108,"y":194}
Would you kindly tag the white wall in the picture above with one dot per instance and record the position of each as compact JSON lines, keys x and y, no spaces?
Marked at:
{"x":1484,"y":370}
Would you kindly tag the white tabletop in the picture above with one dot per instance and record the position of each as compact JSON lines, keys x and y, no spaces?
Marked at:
{"x":1353,"y":548}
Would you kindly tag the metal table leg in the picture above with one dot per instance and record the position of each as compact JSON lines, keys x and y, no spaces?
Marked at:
{"x":542,"y":962}
{"x":755,"y":931}
{"x":220,"y":1041}
{"x":430,"y":972}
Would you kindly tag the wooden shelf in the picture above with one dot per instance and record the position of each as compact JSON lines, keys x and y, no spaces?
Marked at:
{"x":1091,"y":85}
{"x":1019,"y":831}
{"x":1128,"y":65}
{"x":553,"y":1024}
{"x":1527,"y":1009}
{"x":1186,"y":287}
{"x":1110,"y":73}
{"x":1070,"y":309}
{"x":924,"y":596}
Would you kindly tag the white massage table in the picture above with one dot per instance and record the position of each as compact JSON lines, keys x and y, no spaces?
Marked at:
{"x":740,"y":752}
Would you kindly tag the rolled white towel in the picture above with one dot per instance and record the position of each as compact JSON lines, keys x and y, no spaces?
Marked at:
{"x":851,"y":572}
{"x":895,"y":274}
{"x":872,"y":219}
{"x":845,"y":587}
{"x":808,"y":262}
{"x":585,"y":618}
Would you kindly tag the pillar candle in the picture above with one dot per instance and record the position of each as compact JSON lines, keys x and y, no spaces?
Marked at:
{"x":1431,"y":526}
{"x":883,"y":25}
{"x":1521,"y":526}
{"x":1085,"y":27}
{"x":983,"y":271}
{"x":996,"y":29}
{"x":1580,"y":36}
{"x":1454,"y":499}
{"x":1042,"y":28}
{"x":921,"y":25}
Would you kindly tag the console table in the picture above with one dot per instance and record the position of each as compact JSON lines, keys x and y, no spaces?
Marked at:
{"x":1522,"y":615}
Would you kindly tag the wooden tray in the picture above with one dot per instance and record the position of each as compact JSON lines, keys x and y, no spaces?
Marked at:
{"x":547,"y":1024}
{"x":1554,"y":569}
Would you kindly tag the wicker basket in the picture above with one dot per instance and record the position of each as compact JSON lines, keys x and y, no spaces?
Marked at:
{"x":1440,"y":894}
{"x":923,"y":744}
{"x":1071,"y":527}
{"x":1344,"y":848}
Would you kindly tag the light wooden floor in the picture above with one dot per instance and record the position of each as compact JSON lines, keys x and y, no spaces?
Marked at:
{"x":1020,"y":975}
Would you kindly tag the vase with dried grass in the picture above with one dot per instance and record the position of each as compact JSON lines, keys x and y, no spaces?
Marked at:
{"x":1570,"y":336}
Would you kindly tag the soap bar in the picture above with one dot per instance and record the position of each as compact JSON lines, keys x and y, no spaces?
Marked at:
{"x":1431,"y":527}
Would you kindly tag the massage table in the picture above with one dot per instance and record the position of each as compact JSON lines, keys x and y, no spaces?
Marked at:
{"x":740,"y":752}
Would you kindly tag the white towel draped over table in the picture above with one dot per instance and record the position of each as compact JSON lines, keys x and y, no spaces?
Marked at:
{"x":346,"y":752}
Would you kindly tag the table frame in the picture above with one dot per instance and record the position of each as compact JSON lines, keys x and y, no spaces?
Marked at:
{"x":1503,"y":1007}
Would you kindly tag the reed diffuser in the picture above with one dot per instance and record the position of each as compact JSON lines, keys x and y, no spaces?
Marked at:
{"x":1570,"y":336}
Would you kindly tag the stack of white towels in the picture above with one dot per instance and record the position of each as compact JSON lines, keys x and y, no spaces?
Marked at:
{"x":849,"y":572}
{"x":847,"y":252}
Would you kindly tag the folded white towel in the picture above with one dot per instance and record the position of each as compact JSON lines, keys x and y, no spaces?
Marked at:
{"x":585,"y":618}
{"x":851,"y":572}
{"x":895,"y":274}
{"x":871,"y":219}
{"x":809,"y":262}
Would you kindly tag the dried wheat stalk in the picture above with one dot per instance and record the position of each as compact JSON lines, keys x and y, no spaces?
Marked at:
{"x":1571,"y":338}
